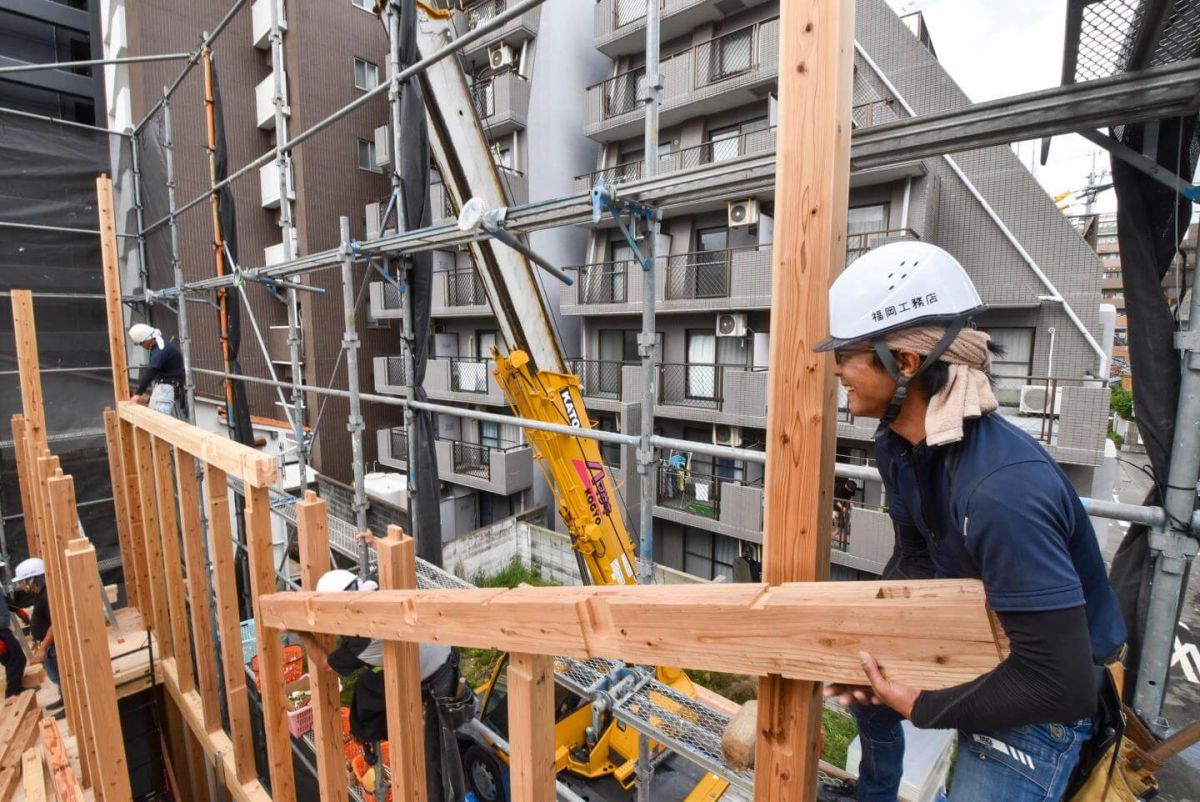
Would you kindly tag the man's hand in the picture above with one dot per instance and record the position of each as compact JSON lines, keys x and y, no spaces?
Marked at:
{"x":896,"y":695}
{"x":143,"y":399}
{"x":316,"y":655}
{"x":37,"y":657}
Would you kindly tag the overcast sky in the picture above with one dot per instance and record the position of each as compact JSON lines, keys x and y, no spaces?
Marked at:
{"x":995,"y":48}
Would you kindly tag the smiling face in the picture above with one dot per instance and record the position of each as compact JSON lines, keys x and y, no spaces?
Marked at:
{"x":869,"y":387}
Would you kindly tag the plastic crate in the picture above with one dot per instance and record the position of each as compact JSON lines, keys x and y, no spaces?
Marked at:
{"x":299,"y":721}
{"x":359,"y":766}
{"x":249,"y":641}
{"x":293,"y":666}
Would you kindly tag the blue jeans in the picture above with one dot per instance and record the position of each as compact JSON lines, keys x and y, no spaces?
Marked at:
{"x":1027,"y":764}
{"x":51,"y":664}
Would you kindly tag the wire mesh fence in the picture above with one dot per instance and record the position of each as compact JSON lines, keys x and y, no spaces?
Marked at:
{"x":397,"y":373}
{"x":690,"y":384}
{"x":599,"y":378}
{"x":702,"y":274}
{"x":465,"y":288}
{"x":469,"y":375}
{"x":472,"y":459}
{"x":604,"y":282}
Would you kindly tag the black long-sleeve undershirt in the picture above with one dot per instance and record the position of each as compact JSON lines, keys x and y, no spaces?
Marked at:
{"x":1048,"y":677}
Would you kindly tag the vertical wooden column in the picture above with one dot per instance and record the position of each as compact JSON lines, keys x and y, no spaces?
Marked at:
{"x":816,"y":39}
{"x":156,"y":595}
{"x":531,"y":727}
{"x":173,"y":565}
{"x":402,"y":675}
{"x":111,"y":779}
{"x":116,"y":472}
{"x":112,"y":287}
{"x":216,"y":497}
{"x":26,"y":480}
{"x":37,"y":488}
{"x":197,"y":587}
{"x":312,"y":523}
{"x":270,"y":648}
{"x":134,"y":504}
{"x":28,"y":367}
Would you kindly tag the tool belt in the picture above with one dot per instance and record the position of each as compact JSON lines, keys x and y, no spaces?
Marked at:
{"x":1115,"y":765}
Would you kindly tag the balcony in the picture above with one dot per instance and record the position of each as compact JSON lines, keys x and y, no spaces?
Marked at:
{"x":385,"y":301}
{"x":390,"y":376}
{"x":264,"y":102}
{"x":859,"y":242}
{"x":730,"y":394}
{"x":863,"y":537}
{"x":600,"y":383}
{"x":268,"y":185}
{"x":459,"y":293}
{"x":620,"y":25}
{"x":714,"y":151}
{"x":718,"y":281}
{"x":504,"y":469}
{"x":441,"y":205}
{"x":392,"y":447}
{"x":513,"y":33}
{"x":721,"y":502}
{"x":465,"y":380}
{"x":502,"y":103}
{"x":713,"y":76}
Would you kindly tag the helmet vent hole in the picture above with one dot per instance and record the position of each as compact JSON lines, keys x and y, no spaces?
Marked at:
{"x":902,"y":264}
{"x":916,"y":263}
{"x":892,"y":287}
{"x":904,"y":275}
{"x":891,"y":274}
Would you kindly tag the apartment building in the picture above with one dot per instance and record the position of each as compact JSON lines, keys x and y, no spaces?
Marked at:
{"x":720,"y":68}
{"x":526,"y":79}
{"x":46,"y":32}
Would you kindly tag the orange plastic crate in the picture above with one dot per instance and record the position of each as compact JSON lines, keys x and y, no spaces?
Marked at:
{"x":360,"y":767}
{"x":293,"y":665}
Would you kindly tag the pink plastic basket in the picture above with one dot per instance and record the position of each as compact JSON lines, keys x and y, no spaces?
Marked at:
{"x":299,"y":721}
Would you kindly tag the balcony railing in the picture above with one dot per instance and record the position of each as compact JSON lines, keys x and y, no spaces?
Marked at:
{"x":475,"y":459}
{"x":604,"y":282}
{"x":873,"y":112}
{"x":465,"y":288}
{"x":391,"y":296}
{"x":841,"y":531}
{"x":397,"y":376}
{"x":479,"y":13}
{"x":859,"y":242}
{"x":1035,"y":402}
{"x":712,"y":151}
{"x":691,"y":385}
{"x":599,"y":378}
{"x":696,"y":492}
{"x":469,"y":375}
{"x":701,"y":274}
{"x":505,"y":93}
{"x":627,"y":12}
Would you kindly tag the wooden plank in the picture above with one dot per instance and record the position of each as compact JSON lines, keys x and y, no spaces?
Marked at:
{"x":156,"y":596}
{"x":66,"y":785}
{"x":10,"y":778}
{"x":12,"y":717}
{"x":33,"y":774}
{"x":114,"y":311}
{"x":25,"y":482}
{"x":270,"y":647}
{"x":402,"y":676}
{"x":531,"y":726}
{"x":816,"y":62}
{"x":198,"y":588}
{"x":37,"y":487}
{"x":216,"y":498}
{"x":22,"y":739}
{"x":116,"y":473}
{"x":137,"y":524}
{"x":172,"y":564}
{"x":111,"y":777}
{"x":252,"y":467}
{"x":32,"y":404}
{"x":930,"y":634}
{"x":312,"y":524}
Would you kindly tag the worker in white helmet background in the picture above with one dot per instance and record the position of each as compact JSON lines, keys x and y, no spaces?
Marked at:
{"x":161,"y":384}
{"x":972,"y":496}
{"x":12,"y":656}
{"x":30,"y":577}
{"x":446,"y":701}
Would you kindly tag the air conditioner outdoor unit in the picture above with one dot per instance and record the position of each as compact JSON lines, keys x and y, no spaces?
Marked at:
{"x":731,"y":324}
{"x":727,"y":435}
{"x":1035,"y":400}
{"x":743,"y":213}
{"x":500,"y":56}
{"x":383,"y":146}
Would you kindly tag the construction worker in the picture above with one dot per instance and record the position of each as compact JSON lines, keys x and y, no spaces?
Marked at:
{"x":30,"y":577}
{"x":12,"y":656}
{"x":368,"y":707}
{"x":970,"y":495}
{"x":161,"y":382}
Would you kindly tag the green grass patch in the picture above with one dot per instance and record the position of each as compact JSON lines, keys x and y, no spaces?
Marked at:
{"x":476,"y":664}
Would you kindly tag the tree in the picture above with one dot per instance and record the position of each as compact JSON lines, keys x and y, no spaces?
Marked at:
{"x":1121,"y":402}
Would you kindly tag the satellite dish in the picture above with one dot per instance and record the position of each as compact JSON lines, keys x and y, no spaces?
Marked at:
{"x":472,"y":214}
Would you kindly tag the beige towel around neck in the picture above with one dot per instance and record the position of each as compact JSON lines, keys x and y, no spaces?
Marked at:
{"x":968,"y":393}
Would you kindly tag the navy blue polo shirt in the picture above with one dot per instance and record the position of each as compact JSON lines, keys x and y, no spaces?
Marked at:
{"x":168,"y":361}
{"x":996,"y":507}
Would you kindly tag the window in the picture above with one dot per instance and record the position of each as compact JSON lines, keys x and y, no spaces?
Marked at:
{"x":365,"y":5}
{"x":484,"y":342}
{"x":620,"y":345}
{"x":489,"y":434}
{"x":366,"y":74}
{"x":732,"y":54}
{"x":735,"y":140}
{"x":708,"y":555}
{"x":366,"y":156}
{"x":866,"y":219}
{"x":1017,"y":360}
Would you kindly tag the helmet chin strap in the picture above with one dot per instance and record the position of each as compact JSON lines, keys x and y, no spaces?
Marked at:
{"x":902,"y":382}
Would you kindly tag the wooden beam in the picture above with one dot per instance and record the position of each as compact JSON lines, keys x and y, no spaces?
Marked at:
{"x":37,"y":488}
{"x":33,"y":776}
{"x":25,"y":332}
{"x":252,"y":467}
{"x":531,"y":726}
{"x":66,"y":785}
{"x":156,"y":584}
{"x":312,"y":524}
{"x":198,"y":589}
{"x":116,"y":473}
{"x":134,"y":504}
{"x":402,"y":677}
{"x":111,"y":780}
{"x":812,"y":186}
{"x":177,"y":614}
{"x":931,"y":634}
{"x":216,"y":499}
{"x":25,"y":481}
{"x":270,"y":648}
{"x":114,"y":310}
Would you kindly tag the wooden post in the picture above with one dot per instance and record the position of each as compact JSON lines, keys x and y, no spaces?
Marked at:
{"x":816,"y":40}
{"x":37,"y":488}
{"x":312,"y":524}
{"x":112,"y":439}
{"x":28,"y":367}
{"x":531,"y":726}
{"x":270,"y":648}
{"x":197,"y":585}
{"x":111,"y":778}
{"x":26,"y":481}
{"x":134,"y":504}
{"x":402,"y":676}
{"x":216,"y":497}
{"x":112,"y":287}
{"x":152,"y":538}
{"x":172,"y":565}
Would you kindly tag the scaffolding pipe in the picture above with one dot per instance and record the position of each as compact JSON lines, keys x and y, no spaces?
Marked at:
{"x":58,"y":229}
{"x":139,"y":219}
{"x":354,"y":421}
{"x":287,"y":225}
{"x":1173,"y":542}
{"x":94,"y":62}
{"x":185,"y":337}
{"x":453,"y":47}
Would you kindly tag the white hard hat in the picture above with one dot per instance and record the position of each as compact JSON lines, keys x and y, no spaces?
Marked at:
{"x":140,"y":332}
{"x":337,"y":580}
{"x":897,"y":286}
{"x":30,"y":569}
